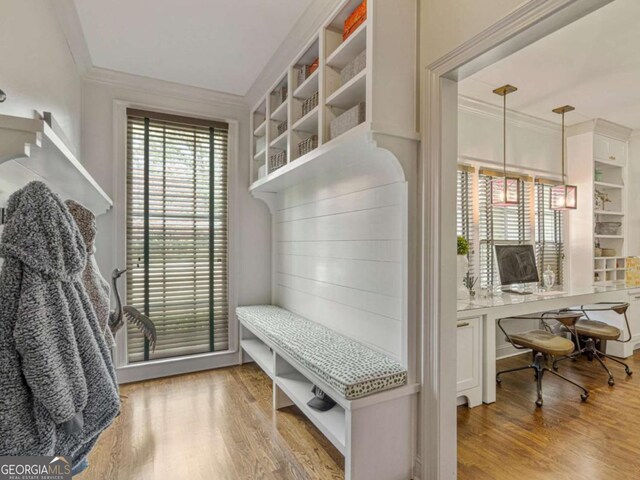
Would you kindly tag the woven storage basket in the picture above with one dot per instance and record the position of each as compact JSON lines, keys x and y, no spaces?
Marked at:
{"x":349,"y":119}
{"x":307,"y":145}
{"x":309,"y":104}
{"x":354,"y":67}
{"x":282,"y":127}
{"x":608,"y":228}
{"x":277,"y":161}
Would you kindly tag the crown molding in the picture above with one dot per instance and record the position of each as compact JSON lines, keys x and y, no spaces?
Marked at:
{"x":515,"y":118}
{"x":163,"y":88}
{"x":309,"y":23}
{"x":69,"y":21}
{"x":603,"y":127}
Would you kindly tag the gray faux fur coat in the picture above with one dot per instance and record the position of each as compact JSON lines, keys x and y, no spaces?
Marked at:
{"x":57,"y":383}
{"x":97,"y":287}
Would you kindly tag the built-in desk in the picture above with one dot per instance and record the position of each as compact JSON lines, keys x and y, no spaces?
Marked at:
{"x":477,"y":330}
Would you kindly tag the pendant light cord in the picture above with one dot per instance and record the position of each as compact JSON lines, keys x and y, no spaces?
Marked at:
{"x":504,"y":135}
{"x":563,"y":148}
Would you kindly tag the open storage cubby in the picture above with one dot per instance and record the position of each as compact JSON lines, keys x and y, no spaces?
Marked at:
{"x":259,"y":139}
{"x":382,"y":87}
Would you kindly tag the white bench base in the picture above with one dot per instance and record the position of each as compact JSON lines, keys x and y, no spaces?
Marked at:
{"x":376,"y":434}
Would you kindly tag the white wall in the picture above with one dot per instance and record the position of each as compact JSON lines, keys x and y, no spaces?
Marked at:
{"x":37,"y":71}
{"x":100,"y":90}
{"x":633,"y":195}
{"x":339,"y":255}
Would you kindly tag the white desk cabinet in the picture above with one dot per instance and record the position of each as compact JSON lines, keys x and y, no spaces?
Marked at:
{"x":469,"y":361}
{"x":624,"y":350}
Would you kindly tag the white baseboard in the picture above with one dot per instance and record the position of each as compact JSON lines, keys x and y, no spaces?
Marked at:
{"x":175,"y":366}
{"x":507,"y":350}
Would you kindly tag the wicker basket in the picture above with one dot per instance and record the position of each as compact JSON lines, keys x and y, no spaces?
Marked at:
{"x":309,"y":104}
{"x":608,"y":228}
{"x":277,"y":160}
{"x":608,"y":252}
{"x":354,"y":67}
{"x":282,"y":127}
{"x":349,"y":119}
{"x":307,"y":145}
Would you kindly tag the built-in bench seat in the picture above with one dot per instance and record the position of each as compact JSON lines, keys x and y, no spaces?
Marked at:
{"x":372,"y":423}
{"x":351,"y":368}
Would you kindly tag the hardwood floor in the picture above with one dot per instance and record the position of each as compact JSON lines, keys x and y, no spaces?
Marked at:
{"x":512,"y":439}
{"x":208,"y":426}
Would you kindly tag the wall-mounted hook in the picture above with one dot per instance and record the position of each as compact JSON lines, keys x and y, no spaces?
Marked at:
{"x":3,"y":96}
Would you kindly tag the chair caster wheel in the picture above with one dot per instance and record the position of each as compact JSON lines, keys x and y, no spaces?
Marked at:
{"x":584,"y":397}
{"x":498,"y":380}
{"x":612,"y":382}
{"x":555,"y":368}
{"x":590,"y":357}
{"x":539,"y":403}
{"x":629,"y":372}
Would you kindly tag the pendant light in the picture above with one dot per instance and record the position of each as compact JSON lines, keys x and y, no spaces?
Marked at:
{"x":505,"y":190}
{"x":563,"y":197}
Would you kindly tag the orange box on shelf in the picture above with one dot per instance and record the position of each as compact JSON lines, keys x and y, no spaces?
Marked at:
{"x":353,"y":21}
{"x":314,"y":66}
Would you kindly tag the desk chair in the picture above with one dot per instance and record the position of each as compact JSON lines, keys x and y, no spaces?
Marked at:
{"x":543,"y":343}
{"x":596,"y":333}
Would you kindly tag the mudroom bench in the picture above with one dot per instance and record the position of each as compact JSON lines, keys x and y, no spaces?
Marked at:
{"x":373,"y":421}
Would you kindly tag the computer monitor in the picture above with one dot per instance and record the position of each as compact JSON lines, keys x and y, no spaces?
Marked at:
{"x":516,"y":264}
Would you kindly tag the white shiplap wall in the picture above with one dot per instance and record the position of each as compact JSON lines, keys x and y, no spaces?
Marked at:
{"x":339,"y":256}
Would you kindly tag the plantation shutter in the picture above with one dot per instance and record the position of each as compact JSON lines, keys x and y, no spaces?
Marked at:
{"x":464,"y":209}
{"x":500,"y":225}
{"x":549,"y":233}
{"x":177,"y":231}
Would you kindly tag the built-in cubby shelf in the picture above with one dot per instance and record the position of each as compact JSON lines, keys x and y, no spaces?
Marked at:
{"x":260,"y":353}
{"x":280,"y":142}
{"x":597,"y":164}
{"x":351,"y":93}
{"x":308,"y":123}
{"x":386,"y":85}
{"x":349,"y":49}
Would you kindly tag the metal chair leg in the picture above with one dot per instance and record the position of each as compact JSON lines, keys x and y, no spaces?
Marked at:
{"x":573,"y":357}
{"x":585,"y":393}
{"x":626,"y":367}
{"x":539,"y":375}
{"x":499,"y":380}
{"x":597,"y":357}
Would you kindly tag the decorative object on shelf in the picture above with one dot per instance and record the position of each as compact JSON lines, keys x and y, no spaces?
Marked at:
{"x":282,"y":127}
{"x":277,"y":160}
{"x":469,"y":283}
{"x":598,"y":175}
{"x":548,"y":278}
{"x":462,"y":267}
{"x":314,"y":66}
{"x":608,"y":228}
{"x":309,"y":104}
{"x":354,"y":67}
{"x":349,"y":119}
{"x":608,"y":252}
{"x":280,"y":95}
{"x":597,"y":251}
{"x":632,"y":274}
{"x":3,"y":96}
{"x":353,"y":21}
{"x":505,"y":190}
{"x":601,"y":199}
{"x":563,"y":197}
{"x":308,"y":145}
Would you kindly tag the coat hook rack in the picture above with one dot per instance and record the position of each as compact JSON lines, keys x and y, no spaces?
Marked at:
{"x":3,"y":96}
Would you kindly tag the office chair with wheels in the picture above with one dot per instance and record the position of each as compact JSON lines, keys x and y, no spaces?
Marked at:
{"x":543,"y":343}
{"x":595,"y":333}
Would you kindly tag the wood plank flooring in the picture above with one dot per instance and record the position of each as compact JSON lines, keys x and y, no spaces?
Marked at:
{"x":219,"y":425}
{"x":214,"y":425}
{"x":565,"y":439}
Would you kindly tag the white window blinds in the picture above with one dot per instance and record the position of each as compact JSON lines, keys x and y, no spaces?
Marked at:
{"x":464,"y":209}
{"x":500,"y":225}
{"x":177,"y":233}
{"x":549,"y":233}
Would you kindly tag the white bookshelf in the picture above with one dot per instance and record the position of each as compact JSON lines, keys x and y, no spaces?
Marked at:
{"x":389,"y":38}
{"x":597,"y":161}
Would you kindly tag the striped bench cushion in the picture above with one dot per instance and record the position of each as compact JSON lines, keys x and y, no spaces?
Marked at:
{"x":350,"y":367}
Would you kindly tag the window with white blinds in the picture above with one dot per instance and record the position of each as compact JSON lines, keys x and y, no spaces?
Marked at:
{"x":500,"y":225}
{"x":549,"y":233}
{"x":177,"y":225}
{"x":464,"y":209}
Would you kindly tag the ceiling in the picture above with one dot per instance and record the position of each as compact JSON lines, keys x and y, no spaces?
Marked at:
{"x":592,"y":64}
{"x":220,"y":45}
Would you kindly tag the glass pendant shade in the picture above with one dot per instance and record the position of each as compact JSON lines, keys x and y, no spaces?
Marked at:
{"x":564,"y":197}
{"x":505,"y":191}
